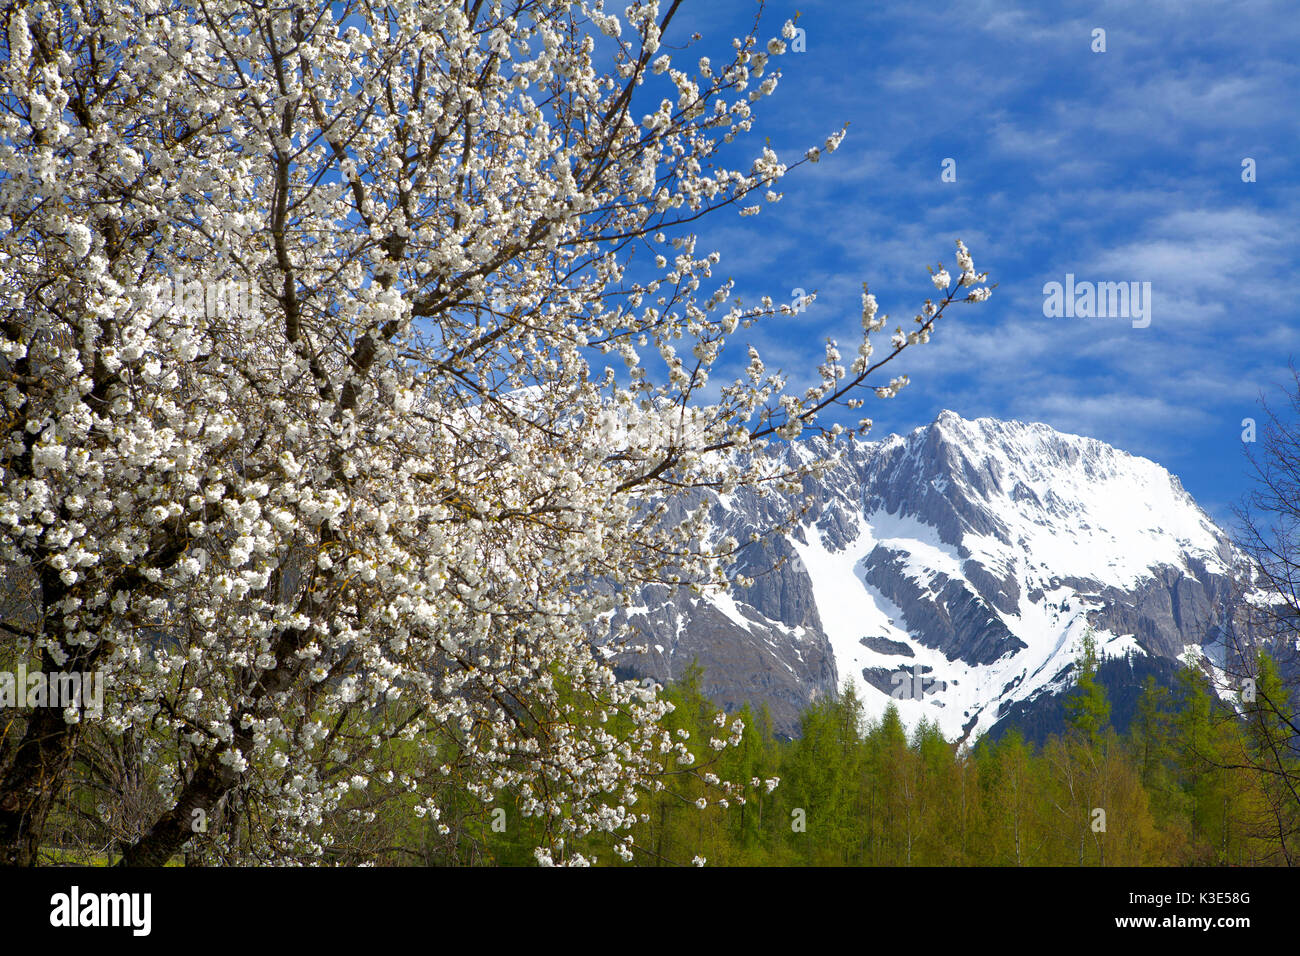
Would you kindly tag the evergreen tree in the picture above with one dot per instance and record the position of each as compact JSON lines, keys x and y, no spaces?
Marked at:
{"x":1088,"y":708}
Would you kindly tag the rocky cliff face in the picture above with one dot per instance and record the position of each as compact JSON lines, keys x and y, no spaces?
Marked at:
{"x":953,"y":570}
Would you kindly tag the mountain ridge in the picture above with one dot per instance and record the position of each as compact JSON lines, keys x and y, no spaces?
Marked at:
{"x":953,"y":570}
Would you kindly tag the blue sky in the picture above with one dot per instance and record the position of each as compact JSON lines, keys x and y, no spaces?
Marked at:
{"x":1117,"y":166}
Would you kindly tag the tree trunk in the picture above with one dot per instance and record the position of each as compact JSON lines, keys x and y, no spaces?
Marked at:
{"x":174,"y":828}
{"x":32,"y":782}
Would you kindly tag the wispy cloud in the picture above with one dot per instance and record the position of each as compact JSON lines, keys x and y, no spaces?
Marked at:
{"x":1115,"y":166}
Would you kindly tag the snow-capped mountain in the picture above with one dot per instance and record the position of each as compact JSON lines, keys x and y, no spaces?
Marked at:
{"x":954,"y":570}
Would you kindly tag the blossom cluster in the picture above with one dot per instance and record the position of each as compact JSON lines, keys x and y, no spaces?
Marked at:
{"x":396,"y":498}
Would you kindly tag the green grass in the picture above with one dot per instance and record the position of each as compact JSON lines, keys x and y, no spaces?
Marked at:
{"x":59,"y":856}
